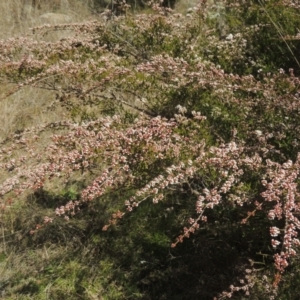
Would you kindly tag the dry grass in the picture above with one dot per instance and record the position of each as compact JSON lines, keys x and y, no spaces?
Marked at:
{"x":28,"y":106}
{"x":183,"y":6}
{"x":18,"y":17}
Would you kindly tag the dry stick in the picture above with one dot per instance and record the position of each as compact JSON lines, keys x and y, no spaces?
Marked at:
{"x":3,"y":237}
{"x":32,"y":84}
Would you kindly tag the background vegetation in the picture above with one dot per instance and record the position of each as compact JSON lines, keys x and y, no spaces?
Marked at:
{"x":188,"y":116}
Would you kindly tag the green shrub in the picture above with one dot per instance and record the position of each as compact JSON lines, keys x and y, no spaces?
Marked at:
{"x":177,"y":158}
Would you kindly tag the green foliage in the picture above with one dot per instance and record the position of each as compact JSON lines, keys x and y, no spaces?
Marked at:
{"x":132,"y":261}
{"x":273,"y":23}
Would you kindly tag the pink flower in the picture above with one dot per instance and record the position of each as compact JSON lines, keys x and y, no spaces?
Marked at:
{"x":274,"y":231}
{"x":274,"y":243}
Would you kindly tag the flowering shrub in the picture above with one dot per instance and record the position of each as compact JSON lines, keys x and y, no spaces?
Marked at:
{"x":160,"y":106}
